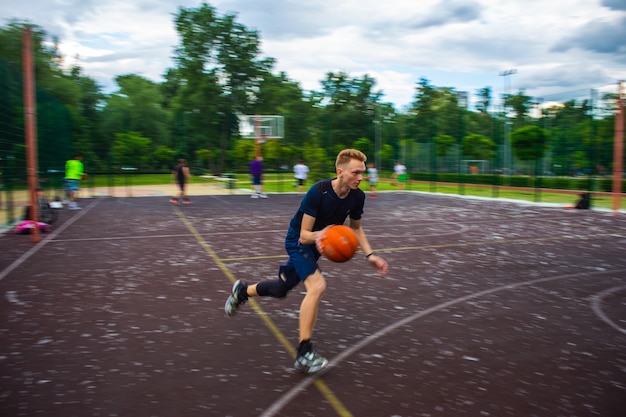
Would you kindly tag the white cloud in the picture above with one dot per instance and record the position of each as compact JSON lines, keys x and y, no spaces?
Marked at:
{"x":557,"y":46}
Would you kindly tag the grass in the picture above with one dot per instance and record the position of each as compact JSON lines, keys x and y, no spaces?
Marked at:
{"x":284,"y":182}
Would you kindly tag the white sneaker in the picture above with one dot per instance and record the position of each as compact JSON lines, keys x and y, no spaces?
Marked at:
{"x":310,"y":362}
{"x":254,"y":196}
{"x":263,"y":195}
{"x":235,"y":298}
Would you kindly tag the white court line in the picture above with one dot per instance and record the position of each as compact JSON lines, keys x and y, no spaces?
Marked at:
{"x":287,"y":397}
{"x":47,"y":239}
{"x":596,"y":306}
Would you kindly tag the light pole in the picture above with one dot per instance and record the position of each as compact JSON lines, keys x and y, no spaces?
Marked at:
{"x":462,"y":102}
{"x":506,"y":162}
{"x":377,"y":137}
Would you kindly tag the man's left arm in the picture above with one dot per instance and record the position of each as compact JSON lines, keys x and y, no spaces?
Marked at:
{"x":378,"y":262}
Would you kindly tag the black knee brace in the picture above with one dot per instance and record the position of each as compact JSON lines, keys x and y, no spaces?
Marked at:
{"x":275,"y":288}
{"x":278,"y":288}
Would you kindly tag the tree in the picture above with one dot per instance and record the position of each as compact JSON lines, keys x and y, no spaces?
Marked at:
{"x":424,"y":124}
{"x":219,"y":73}
{"x":243,"y":152}
{"x":437,"y":112}
{"x":349,"y":107}
{"x":478,"y":147}
{"x":386,"y":155}
{"x":272,"y":153}
{"x":67,"y":101}
{"x":484,"y":99}
{"x":164,"y":157}
{"x":529,"y":144}
{"x":317,"y":161}
{"x":521,"y":105}
{"x":131,"y":149}
{"x":204,"y":156}
{"x":444,"y":143}
{"x":136,"y":107}
{"x":364,"y":145}
{"x":218,"y":76}
{"x":278,"y":95}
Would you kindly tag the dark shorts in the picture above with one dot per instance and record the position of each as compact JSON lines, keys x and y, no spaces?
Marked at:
{"x":300,"y":181}
{"x":302,"y":260}
{"x":256,"y":179}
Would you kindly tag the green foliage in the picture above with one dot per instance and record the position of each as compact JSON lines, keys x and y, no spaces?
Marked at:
{"x":219,"y":73}
{"x":529,"y":143}
{"x":63,"y":99}
{"x":437,"y":112}
{"x":444,"y":144}
{"x":484,"y":99}
{"x":136,"y":107}
{"x":478,"y":147}
{"x":271,"y":151}
{"x":364,"y":145}
{"x":521,"y":105}
{"x":350,"y":110}
{"x":386,"y":156}
{"x":164,"y":157}
{"x":131,"y":149}
{"x":318,"y":160}
{"x":204,"y":156}
{"x":243,"y":153}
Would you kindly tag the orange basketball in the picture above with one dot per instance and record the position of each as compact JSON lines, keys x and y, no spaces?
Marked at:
{"x":339,"y":243}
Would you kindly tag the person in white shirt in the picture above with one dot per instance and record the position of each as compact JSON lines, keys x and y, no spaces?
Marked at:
{"x":301,"y":172}
{"x":372,"y":177}
{"x":399,"y":173}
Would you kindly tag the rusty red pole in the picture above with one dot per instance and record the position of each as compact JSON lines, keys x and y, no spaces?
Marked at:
{"x":618,"y":152}
{"x":30,"y":125}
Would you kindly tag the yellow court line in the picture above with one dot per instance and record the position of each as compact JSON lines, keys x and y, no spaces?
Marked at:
{"x":321,"y":385}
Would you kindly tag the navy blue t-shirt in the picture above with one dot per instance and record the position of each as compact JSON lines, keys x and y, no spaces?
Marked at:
{"x":322,"y":202}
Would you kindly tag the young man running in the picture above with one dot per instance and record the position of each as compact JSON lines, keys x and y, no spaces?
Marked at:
{"x":327,"y":203}
{"x":74,"y":174}
{"x":181,"y":175}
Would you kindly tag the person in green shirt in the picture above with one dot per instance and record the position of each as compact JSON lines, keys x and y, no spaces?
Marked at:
{"x":74,"y":174}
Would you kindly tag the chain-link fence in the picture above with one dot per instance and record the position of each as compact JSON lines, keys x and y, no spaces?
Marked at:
{"x":54,"y":142}
{"x":578,"y":159}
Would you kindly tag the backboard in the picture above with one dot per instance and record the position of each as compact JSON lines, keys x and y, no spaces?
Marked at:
{"x":261,"y":127}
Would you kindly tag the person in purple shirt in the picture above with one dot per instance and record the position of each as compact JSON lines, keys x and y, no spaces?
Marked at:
{"x":256,"y":170}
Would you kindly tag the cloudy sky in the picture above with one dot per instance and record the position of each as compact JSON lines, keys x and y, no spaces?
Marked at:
{"x":560,"y":49}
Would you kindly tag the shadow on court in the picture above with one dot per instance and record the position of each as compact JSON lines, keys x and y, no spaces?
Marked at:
{"x":490,"y":308}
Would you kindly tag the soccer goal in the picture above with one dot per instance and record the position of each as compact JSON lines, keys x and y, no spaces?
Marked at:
{"x":474,"y":166}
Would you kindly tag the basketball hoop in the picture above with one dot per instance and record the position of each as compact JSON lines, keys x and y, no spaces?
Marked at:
{"x":261,"y":127}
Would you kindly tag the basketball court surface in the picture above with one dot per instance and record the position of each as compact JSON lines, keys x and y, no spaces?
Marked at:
{"x":490,"y":308}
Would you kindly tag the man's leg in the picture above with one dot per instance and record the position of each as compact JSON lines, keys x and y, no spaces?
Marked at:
{"x":277,"y":288}
{"x":73,"y":204}
{"x":315,"y":286}
{"x":307,"y":360}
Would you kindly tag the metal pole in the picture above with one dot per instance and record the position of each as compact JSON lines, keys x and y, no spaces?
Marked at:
{"x":507,"y":160}
{"x":258,"y":135}
{"x":377,"y":138}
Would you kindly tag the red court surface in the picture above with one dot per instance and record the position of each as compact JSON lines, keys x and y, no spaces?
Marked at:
{"x":490,"y":308}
